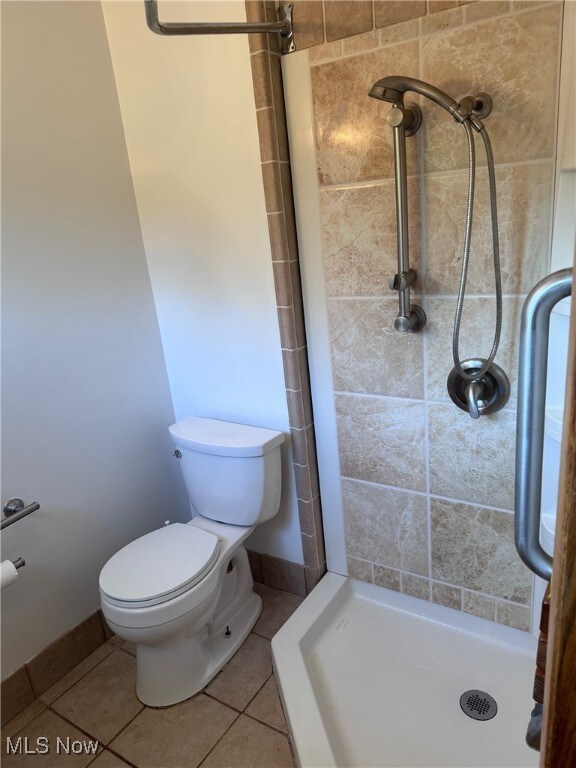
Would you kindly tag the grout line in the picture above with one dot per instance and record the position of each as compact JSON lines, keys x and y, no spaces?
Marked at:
{"x":445,"y":583}
{"x":447,"y":172}
{"x":432,"y":495}
{"x":201,"y":763}
{"x":114,"y":649}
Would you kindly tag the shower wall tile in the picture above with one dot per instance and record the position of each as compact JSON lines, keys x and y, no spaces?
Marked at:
{"x":435,"y":6}
{"x":382,"y":440}
{"x":386,"y":526}
{"x":473,"y":547}
{"x":387,"y":577}
{"x":483,"y":9}
{"x":360,"y":43}
{"x":436,"y":22}
{"x":476,"y":337}
{"x":479,"y":605}
{"x":391,"y":12}
{"x":371,"y":357}
{"x":525,"y":210}
{"x":444,"y":594}
{"x":353,"y":139}
{"x":359,"y":238}
{"x":360,"y":569}
{"x":325,"y":52}
{"x":308,"y":17}
{"x":398,"y":32}
{"x":513,"y":57}
{"x":347,"y":17}
{"x":415,"y":586}
{"x":517,"y":616}
{"x":472,"y":462}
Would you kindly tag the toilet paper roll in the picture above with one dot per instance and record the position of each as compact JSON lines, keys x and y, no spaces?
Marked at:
{"x":8,"y":574}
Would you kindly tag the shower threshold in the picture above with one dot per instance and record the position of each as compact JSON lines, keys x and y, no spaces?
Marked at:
{"x":373,"y":678}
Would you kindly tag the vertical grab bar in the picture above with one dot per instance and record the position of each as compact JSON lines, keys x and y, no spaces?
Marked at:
{"x":410,"y":317}
{"x":531,"y":414}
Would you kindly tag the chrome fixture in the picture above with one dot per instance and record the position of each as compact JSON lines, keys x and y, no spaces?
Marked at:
{"x":478,"y":390}
{"x":483,"y":395}
{"x":282,"y":27}
{"x":19,"y":563}
{"x":534,"y":332}
{"x":15,"y":510}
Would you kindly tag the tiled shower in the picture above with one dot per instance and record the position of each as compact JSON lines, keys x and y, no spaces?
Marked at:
{"x":427,"y":493}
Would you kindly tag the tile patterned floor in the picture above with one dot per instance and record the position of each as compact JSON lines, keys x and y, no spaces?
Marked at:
{"x":236,"y":722}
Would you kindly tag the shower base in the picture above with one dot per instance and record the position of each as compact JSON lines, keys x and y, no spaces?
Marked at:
{"x":373,"y":678}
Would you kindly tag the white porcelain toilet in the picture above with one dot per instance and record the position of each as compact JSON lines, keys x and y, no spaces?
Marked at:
{"x":184,"y":593}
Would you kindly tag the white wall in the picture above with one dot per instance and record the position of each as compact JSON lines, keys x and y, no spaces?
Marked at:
{"x":190,"y":124}
{"x":85,"y":397}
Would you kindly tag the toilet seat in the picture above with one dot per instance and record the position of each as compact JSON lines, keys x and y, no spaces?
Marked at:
{"x":159,"y":566}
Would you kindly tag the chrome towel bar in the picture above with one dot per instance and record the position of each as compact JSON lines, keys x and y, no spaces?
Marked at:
{"x":283,"y":26}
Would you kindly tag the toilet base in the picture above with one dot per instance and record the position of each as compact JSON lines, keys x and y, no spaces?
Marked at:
{"x":176,"y":669}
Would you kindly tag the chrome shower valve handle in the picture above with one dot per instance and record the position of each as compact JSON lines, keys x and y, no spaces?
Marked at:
{"x":480,"y":396}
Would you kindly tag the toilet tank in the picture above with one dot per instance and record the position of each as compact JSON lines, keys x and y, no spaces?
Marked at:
{"x":232,"y":471}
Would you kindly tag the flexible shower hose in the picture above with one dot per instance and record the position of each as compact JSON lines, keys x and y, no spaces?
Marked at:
{"x":466,"y":254}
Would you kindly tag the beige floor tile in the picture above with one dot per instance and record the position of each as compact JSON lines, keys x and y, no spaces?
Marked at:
{"x":267,"y":707}
{"x":104,"y":701}
{"x":107,"y":760}
{"x":76,"y":674}
{"x":249,"y":744}
{"x":128,"y":646}
{"x":277,"y":609}
{"x":23,"y":718}
{"x":176,"y":736}
{"x":57,"y":732}
{"x":245,"y":673}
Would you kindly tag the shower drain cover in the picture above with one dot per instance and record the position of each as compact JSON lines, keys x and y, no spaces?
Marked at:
{"x":478,"y":704}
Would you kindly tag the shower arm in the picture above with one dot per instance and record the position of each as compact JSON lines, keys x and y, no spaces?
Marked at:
{"x":283,"y":27}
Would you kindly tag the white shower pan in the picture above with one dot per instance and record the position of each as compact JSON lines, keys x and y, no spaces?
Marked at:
{"x":371,"y":678}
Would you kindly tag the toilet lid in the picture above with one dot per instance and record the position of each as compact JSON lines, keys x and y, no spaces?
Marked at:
{"x":160,"y":563}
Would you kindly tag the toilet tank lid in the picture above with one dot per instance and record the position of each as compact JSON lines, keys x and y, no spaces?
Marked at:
{"x":224,"y":438}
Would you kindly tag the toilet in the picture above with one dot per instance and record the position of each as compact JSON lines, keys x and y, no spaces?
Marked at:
{"x":184,"y":593}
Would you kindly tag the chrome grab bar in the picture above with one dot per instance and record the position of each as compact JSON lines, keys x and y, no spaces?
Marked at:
{"x":404,"y":122}
{"x":283,"y":27}
{"x":531,"y":414}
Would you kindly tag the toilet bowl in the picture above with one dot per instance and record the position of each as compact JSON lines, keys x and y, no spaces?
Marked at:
{"x":184,"y":593}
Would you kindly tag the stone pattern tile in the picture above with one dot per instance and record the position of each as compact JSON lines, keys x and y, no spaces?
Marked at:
{"x":359,"y":237}
{"x":386,"y":527}
{"x":476,"y":337}
{"x":353,"y":139}
{"x":358,"y":361}
{"x":237,"y":721}
{"x":525,"y":212}
{"x":474,"y":464}
{"x":382,"y":440}
{"x":513,"y":56}
{"x":104,"y":701}
{"x":473,"y":547}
